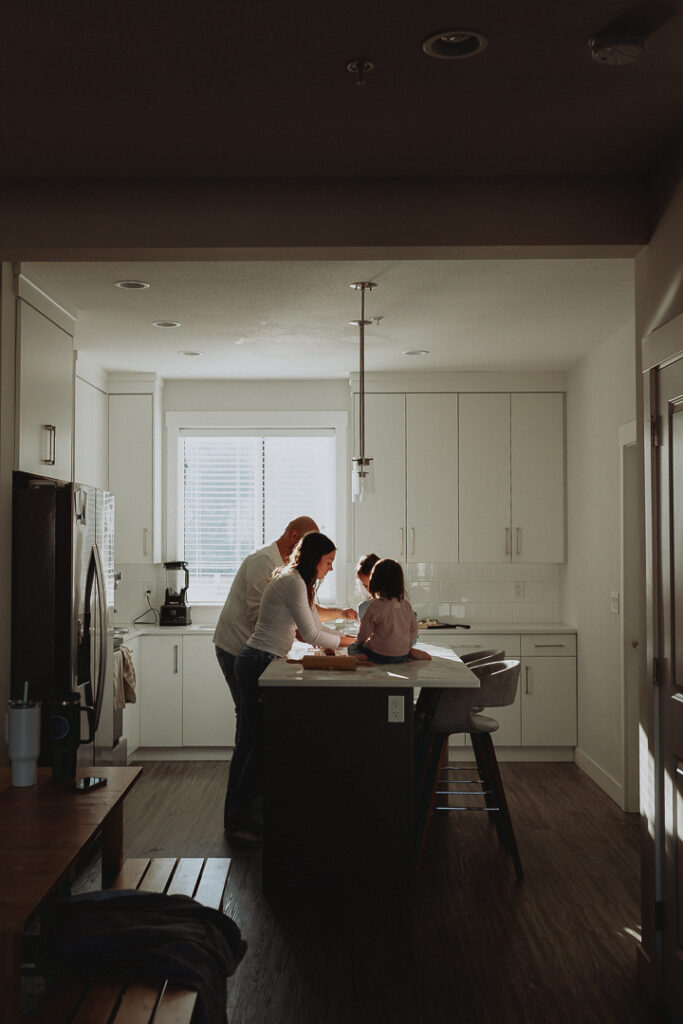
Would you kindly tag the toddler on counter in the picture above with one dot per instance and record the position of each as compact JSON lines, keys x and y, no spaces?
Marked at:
{"x":388,"y":627}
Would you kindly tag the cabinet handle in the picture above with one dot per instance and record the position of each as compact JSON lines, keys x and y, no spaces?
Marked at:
{"x":550,"y":645}
{"x":145,"y":540}
{"x":412,"y":540}
{"x":518,"y":541}
{"x":526,"y":676}
{"x":51,"y":445}
{"x":507,"y":540}
{"x":401,"y":541}
{"x":175,"y":659}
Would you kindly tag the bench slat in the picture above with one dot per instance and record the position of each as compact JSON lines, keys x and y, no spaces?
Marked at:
{"x":158,"y":875}
{"x":176,"y":1007}
{"x":98,"y":1003}
{"x":58,"y":1005}
{"x":185,"y":877}
{"x":131,"y":873}
{"x":212,"y":885}
{"x":139,"y":1001}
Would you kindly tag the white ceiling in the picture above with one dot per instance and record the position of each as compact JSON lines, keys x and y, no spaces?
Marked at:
{"x":268,"y":320}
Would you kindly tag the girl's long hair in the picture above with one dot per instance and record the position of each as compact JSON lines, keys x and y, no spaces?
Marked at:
{"x":386,"y":580}
{"x":305,"y":557}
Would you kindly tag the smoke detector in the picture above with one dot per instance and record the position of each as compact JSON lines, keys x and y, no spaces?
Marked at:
{"x":616,"y":48}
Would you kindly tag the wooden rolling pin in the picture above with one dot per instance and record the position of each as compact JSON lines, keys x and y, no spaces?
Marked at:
{"x":344,"y":663}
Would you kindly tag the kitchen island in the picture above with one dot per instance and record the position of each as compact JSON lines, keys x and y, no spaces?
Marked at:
{"x":338,"y":772}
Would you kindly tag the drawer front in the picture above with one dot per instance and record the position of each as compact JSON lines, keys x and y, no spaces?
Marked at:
{"x":485,"y":642}
{"x":547,"y":645}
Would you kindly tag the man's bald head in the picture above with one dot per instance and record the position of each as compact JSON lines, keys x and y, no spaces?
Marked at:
{"x":293,"y":533}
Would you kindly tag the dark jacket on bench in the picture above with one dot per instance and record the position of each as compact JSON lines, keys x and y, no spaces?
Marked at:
{"x":128,"y":933}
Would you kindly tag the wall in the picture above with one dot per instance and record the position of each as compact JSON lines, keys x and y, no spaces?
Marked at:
{"x":600,"y":399}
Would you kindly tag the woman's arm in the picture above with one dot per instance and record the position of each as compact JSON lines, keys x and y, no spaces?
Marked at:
{"x":295,"y":597}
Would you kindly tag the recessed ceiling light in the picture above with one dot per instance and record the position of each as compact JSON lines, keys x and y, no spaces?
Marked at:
{"x":183,"y":353}
{"x":454,"y":44}
{"x":416,"y":352}
{"x":166,"y":323}
{"x":131,"y":285}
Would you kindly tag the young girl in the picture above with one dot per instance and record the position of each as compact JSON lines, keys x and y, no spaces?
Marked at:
{"x":388,"y":628}
{"x":362,"y":573}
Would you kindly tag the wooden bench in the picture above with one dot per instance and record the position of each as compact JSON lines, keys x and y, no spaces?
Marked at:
{"x":74,"y":1000}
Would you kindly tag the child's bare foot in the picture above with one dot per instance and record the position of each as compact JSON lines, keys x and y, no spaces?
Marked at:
{"x":417,"y":655}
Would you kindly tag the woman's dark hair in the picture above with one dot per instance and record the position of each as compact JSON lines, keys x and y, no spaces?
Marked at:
{"x":366,"y":565}
{"x":305,"y":557}
{"x":386,"y":580}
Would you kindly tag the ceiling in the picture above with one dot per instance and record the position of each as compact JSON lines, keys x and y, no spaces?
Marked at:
{"x":290,"y":320}
{"x":230,"y":89}
{"x":251,"y":88}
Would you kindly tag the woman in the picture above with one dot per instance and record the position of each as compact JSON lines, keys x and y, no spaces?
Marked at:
{"x":287,"y":607}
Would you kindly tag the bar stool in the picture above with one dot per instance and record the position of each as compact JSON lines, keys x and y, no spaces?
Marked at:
{"x":456,"y":711}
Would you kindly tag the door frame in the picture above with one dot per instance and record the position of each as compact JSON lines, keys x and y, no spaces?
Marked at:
{"x":630,"y":589}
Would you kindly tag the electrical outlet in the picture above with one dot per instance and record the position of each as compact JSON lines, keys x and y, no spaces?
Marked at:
{"x":519,"y":588}
{"x":614,"y":602}
{"x":396,"y":713}
{"x":146,"y":589}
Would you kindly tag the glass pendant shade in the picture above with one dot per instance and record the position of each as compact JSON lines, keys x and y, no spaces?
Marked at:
{"x":363,"y":479}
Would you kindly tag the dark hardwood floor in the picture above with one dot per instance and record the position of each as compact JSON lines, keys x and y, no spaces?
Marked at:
{"x":468,"y":943}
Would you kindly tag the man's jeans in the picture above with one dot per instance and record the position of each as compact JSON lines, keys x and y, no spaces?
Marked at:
{"x":244,"y":781}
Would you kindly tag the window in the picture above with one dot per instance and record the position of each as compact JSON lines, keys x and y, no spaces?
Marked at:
{"x":232,"y":489}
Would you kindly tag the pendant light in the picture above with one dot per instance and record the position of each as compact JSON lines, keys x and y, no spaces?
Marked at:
{"x":363,"y":481}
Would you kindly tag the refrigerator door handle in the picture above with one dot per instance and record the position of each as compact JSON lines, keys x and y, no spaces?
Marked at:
{"x":102,"y":637}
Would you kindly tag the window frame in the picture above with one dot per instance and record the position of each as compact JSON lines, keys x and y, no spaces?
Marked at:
{"x":336,"y":420}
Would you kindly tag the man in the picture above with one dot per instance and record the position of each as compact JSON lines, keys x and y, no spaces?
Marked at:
{"x":235,"y":625}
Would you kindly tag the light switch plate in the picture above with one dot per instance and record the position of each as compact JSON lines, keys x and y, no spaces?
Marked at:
{"x":614,"y":602}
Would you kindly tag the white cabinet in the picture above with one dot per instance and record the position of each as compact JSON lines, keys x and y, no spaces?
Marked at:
{"x":135,"y":475}
{"x":412,"y":516}
{"x":544,"y":710}
{"x":208,"y":709}
{"x":45,"y":394}
{"x":161,"y":690}
{"x":131,"y":712}
{"x":512,"y":493}
{"x":184,"y":698}
{"x":91,"y":435}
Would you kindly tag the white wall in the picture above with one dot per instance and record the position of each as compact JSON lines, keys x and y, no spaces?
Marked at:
{"x":600,"y":399}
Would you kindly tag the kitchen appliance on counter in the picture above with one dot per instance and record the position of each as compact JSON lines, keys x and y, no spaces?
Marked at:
{"x":62,"y":602}
{"x":174,"y":611}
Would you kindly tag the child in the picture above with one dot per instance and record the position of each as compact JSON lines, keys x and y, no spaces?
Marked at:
{"x":363,"y":570}
{"x":388,"y":628}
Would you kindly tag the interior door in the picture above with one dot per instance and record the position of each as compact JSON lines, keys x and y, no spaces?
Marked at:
{"x":669,"y":651}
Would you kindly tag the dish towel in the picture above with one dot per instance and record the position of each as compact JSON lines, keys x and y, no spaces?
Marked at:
{"x":128,"y":676}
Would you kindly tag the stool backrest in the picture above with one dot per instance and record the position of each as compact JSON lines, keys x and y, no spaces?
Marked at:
{"x":475,"y":657}
{"x":498,"y":681}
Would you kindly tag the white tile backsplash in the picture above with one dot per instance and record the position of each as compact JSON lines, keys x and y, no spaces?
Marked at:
{"x":480,"y":593}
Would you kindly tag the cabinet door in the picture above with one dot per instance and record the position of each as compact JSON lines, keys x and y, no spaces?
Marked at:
{"x":131,"y":712}
{"x":208,"y":709}
{"x":131,"y":475}
{"x":161,"y":707}
{"x":379,"y":523}
{"x":537,"y":477}
{"x":90,"y":435}
{"x":484,"y":458}
{"x":432,"y":478}
{"x":548,"y":688}
{"x":46,"y":395}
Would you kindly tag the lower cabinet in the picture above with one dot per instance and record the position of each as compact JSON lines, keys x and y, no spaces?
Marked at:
{"x":184,"y":699}
{"x":544,"y":711}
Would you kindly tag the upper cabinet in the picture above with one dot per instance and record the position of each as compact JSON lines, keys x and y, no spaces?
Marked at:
{"x":413,"y":514}
{"x":135,"y":467}
{"x":45,"y":385}
{"x":512,"y":477}
{"x":91,"y":417}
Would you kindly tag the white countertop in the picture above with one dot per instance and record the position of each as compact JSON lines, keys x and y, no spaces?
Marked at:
{"x":444,"y":670}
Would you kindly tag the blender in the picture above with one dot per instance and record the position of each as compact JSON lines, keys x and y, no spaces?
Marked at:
{"x":174,"y":611}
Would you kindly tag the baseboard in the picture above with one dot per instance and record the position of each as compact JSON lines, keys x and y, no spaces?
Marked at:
{"x":181,"y":754}
{"x":602,"y":778}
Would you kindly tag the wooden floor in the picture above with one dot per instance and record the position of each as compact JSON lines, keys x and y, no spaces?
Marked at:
{"x":467,"y":944}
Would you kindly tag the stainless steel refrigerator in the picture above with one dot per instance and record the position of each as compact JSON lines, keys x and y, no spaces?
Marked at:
{"x":62,"y":603}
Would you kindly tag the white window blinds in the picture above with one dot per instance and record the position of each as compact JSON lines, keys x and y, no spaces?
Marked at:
{"x":239,"y":491}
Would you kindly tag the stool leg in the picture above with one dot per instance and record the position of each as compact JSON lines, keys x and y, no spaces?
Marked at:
{"x":487,"y":751}
{"x":489,"y":785}
{"x":426,"y":798}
